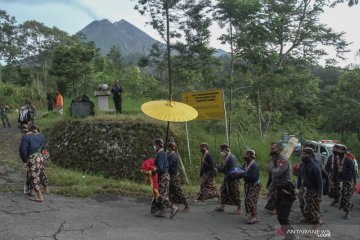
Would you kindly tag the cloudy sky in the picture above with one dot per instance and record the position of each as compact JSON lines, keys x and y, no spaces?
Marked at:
{"x":73,"y":15}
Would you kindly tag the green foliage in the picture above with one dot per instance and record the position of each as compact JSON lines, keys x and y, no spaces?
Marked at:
{"x":10,"y":43}
{"x":114,"y":59}
{"x":15,"y":95}
{"x":349,"y":2}
{"x":112,"y":148}
{"x":344,"y":105}
{"x":72,"y":63}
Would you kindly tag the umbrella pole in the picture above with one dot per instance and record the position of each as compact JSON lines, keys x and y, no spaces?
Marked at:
{"x":167,"y":135}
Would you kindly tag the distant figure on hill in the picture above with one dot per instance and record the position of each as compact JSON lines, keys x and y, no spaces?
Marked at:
{"x":27,"y":113}
{"x":4,"y":109}
{"x":59,"y":102}
{"x":50,"y":102}
{"x":117,"y":92}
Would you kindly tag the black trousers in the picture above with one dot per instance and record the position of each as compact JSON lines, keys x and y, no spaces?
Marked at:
{"x":283,"y":207}
{"x":118,"y":104}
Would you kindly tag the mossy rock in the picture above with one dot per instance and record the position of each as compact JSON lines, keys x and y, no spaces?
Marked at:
{"x":113,"y":149}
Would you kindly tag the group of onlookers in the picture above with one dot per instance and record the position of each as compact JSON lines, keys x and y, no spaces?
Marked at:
{"x":59,"y":102}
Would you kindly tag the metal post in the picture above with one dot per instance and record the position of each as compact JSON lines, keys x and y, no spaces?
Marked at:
{"x":188,"y":143}
{"x":226,"y":123}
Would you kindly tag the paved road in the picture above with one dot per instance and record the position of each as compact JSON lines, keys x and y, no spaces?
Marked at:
{"x":114,"y":217}
{"x":108,"y":217}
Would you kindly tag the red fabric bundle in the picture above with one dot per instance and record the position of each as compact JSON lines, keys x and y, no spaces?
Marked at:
{"x":296,"y":169}
{"x":147,"y":166}
{"x":358,"y":188}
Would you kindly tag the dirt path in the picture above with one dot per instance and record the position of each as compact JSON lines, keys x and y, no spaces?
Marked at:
{"x":11,"y":167}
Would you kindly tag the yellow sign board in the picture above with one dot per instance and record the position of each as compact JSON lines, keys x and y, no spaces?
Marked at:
{"x":209,"y":104}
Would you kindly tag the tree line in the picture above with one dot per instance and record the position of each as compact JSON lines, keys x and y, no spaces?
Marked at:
{"x":271,"y":76}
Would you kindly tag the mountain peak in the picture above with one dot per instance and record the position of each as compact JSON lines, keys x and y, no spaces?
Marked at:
{"x":103,"y":21}
{"x":124,"y":23}
{"x":129,"y":38}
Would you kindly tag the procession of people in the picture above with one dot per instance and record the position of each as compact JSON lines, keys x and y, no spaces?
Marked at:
{"x":282,"y":189}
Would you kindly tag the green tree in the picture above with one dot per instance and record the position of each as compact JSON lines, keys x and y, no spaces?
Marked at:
{"x":194,"y":56}
{"x":39,"y":41}
{"x":114,"y":58}
{"x":349,"y":2}
{"x":9,"y":38}
{"x":344,"y":101}
{"x":159,"y":11}
{"x":72,"y":63}
{"x":225,"y":12}
{"x":279,"y":35}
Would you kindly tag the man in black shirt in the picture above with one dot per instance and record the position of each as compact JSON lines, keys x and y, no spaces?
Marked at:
{"x":117,"y":91}
{"x":208,"y":188}
{"x":176,"y":194}
{"x":162,"y":168}
{"x":310,"y":184}
{"x":230,"y":189}
{"x":344,"y":171}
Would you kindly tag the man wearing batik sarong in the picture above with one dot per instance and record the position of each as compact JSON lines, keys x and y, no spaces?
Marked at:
{"x":331,"y":170}
{"x":208,"y":188}
{"x":162,"y":168}
{"x":45,"y":154}
{"x":310,"y":184}
{"x":252,"y":185}
{"x":230,"y":189}
{"x":176,"y":194}
{"x":345,"y":173}
{"x":30,"y":153}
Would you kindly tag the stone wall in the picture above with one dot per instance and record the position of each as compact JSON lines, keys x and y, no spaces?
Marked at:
{"x":114,"y":149}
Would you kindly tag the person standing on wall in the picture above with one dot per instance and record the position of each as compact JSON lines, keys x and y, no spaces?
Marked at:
{"x":59,"y":102}
{"x":50,"y":102}
{"x":117,"y":92}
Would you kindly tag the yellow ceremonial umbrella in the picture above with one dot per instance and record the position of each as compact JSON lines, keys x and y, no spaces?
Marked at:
{"x":169,"y":111}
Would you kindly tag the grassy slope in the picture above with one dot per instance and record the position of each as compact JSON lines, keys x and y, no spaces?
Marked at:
{"x":69,"y":182}
{"x":74,"y":183}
